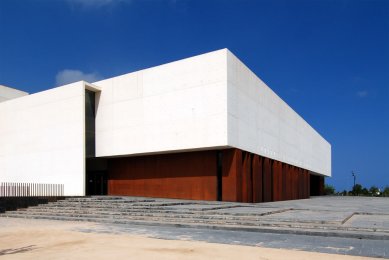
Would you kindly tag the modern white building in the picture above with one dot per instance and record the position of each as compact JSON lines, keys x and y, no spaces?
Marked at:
{"x":205,"y":127}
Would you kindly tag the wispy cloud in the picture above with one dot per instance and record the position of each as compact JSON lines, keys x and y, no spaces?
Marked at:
{"x":69,"y":76}
{"x":362,"y":93}
{"x":94,"y":4}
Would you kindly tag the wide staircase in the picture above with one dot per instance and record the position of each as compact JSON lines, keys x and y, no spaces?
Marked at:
{"x":124,"y":210}
{"x":200,"y":214}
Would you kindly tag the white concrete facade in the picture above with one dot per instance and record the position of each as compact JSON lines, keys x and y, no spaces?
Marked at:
{"x":207,"y":101}
{"x":210,"y":101}
{"x":42,"y":138}
{"x":177,"y":106}
{"x":262,"y":123}
{"x":7,"y":93}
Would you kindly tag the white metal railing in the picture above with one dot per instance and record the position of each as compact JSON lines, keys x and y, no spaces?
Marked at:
{"x":17,"y":189}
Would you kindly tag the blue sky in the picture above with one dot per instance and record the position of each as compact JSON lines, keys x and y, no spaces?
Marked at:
{"x":329,"y":60}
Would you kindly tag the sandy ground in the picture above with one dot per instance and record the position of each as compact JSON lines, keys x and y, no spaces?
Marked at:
{"x":40,"y":239}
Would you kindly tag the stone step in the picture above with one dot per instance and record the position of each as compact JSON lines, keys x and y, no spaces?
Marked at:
{"x":108,"y":208}
{"x":160,"y":214}
{"x":121,"y":203}
{"x":181,"y":219}
{"x":149,"y":211}
{"x":266,"y":229}
{"x":134,"y":207}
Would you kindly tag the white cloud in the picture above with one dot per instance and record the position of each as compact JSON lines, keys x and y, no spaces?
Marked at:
{"x":88,"y":4}
{"x":69,"y":76}
{"x":362,"y":93}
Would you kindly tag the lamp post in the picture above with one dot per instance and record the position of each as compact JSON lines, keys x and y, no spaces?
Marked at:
{"x":355,"y":176}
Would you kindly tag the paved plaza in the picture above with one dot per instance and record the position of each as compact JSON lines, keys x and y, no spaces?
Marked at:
{"x":342,"y":225}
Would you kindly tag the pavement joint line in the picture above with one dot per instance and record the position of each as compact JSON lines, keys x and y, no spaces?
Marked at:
{"x":275,"y":212}
{"x":216,"y":208}
{"x":348,"y":218}
{"x":372,"y":213}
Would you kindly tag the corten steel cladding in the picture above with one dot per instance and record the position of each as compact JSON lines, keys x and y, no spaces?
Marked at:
{"x":267,"y":180}
{"x":257,"y":178}
{"x":230,"y":168}
{"x":277,"y":181}
{"x":245,"y":177}
{"x":182,"y":175}
{"x":251,"y":178}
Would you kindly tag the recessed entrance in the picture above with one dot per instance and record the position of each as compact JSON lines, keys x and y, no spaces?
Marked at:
{"x":96,"y":183}
{"x":96,"y":178}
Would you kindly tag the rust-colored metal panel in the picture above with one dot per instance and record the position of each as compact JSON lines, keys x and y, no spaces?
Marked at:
{"x":284,"y":183}
{"x":277,"y":181}
{"x":289,"y":182}
{"x":182,"y":175}
{"x":245,"y":169}
{"x":292,"y":187}
{"x":249,"y":168}
{"x":308,"y":184}
{"x":296,"y":182}
{"x":246,"y":177}
{"x":293,"y":183}
{"x":239,"y":169}
{"x":300,"y":183}
{"x":230,"y":168}
{"x":274,"y":181}
{"x":267,"y":182}
{"x":247,"y":186}
{"x":257,"y":178}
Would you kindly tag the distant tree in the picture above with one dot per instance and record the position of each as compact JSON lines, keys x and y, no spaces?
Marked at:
{"x":344,"y":193}
{"x":329,"y":190}
{"x":374,"y":191}
{"x":385,"y":192}
{"x":365,"y":192}
{"x":357,"y":190}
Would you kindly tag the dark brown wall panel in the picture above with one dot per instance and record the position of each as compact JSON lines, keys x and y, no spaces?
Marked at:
{"x":230,"y":169}
{"x":284,"y":182}
{"x":295,"y":183}
{"x":288,"y":182}
{"x":300,"y":183}
{"x":184,"y":175}
{"x":245,"y":169}
{"x":246,"y":177}
{"x":308,"y":184}
{"x":277,"y":181}
{"x":257,"y":178}
{"x":247,"y":185}
{"x":267,"y":181}
{"x":239,"y":169}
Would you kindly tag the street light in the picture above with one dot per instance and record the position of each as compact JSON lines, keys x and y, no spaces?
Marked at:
{"x":355,"y":176}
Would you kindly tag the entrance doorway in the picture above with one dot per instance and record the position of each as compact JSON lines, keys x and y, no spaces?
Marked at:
{"x":97,"y":183}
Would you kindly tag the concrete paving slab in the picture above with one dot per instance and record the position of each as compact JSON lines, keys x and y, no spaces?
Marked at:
{"x":310,"y":216}
{"x":198,"y":207}
{"x":369,"y":221}
{"x":241,"y":211}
